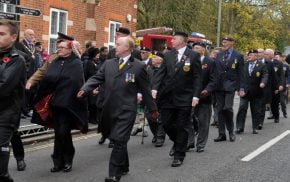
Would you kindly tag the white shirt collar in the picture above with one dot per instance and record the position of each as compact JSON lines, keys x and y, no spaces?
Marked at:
{"x":202,"y":58}
{"x":126,"y":58}
{"x":146,"y":61}
{"x":181,"y":52}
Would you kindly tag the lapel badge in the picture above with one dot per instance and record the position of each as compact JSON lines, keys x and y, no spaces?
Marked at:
{"x":127,"y":78}
{"x":234,"y":66}
{"x":186,"y":68}
{"x":236,"y":61}
{"x":276,"y":69}
{"x":284,"y":68}
{"x":258,"y":74}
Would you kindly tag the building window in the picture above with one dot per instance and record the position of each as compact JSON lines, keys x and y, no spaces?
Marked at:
{"x":7,"y":8}
{"x":58,"y":23}
{"x":112,"y":32}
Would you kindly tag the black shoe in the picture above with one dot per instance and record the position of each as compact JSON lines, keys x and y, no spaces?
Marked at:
{"x":102,"y":140}
{"x":220,"y":138}
{"x":176,"y":163}
{"x":285,"y":115}
{"x":190,"y":146}
{"x":111,"y":144}
{"x":6,"y":178}
{"x":125,"y":172}
{"x":172,"y":151}
{"x":199,"y":150}
{"x":27,"y":115}
{"x":276,"y":120}
{"x":271,"y":117}
{"x":112,"y":179}
{"x":215,"y":123}
{"x":159,"y":142}
{"x":21,"y":165}
{"x":255,"y":132}
{"x":239,"y":131}
{"x":23,"y":117}
{"x":232,"y":137}
{"x":260,"y":127}
{"x":136,"y":131}
{"x":56,"y":169}
{"x":154,"y":139}
{"x":67,"y":167}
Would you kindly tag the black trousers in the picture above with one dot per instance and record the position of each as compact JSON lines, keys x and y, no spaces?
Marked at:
{"x":176,"y":121}
{"x":5,"y":137}
{"x":283,"y":102}
{"x":225,"y":103}
{"x":262,"y":111}
{"x":63,"y":145}
{"x":119,"y":160}
{"x":17,"y":146}
{"x":275,"y":105}
{"x":203,"y":113}
{"x":255,"y":104}
{"x":156,"y":127}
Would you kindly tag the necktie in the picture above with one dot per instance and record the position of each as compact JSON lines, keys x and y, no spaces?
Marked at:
{"x":251,"y":68}
{"x":121,"y":64}
{"x":177,"y":59}
{"x":226,"y":57}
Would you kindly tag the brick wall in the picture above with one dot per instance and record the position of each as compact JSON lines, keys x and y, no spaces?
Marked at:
{"x":78,"y":12}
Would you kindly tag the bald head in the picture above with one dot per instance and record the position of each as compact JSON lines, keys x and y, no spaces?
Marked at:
{"x":29,"y":35}
{"x":124,"y":46}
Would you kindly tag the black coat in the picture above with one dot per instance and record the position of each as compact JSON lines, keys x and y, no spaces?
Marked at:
{"x":12,"y":81}
{"x":64,"y":77}
{"x":121,"y":88}
{"x":135,"y":54}
{"x":280,"y":74}
{"x":29,"y":56}
{"x":209,"y":78}
{"x":251,"y":83}
{"x":177,"y":84}
{"x":229,"y":72}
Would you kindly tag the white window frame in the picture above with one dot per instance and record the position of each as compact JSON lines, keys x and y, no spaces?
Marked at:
{"x":112,"y":44}
{"x":54,"y":36}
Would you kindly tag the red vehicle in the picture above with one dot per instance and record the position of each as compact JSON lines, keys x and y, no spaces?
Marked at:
{"x":160,"y":41}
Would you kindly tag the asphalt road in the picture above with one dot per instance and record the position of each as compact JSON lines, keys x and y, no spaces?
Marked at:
{"x":221,"y":162}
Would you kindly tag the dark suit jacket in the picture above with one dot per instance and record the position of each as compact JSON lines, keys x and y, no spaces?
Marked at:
{"x":209,"y":79}
{"x":278,"y":68}
{"x":120,"y":104}
{"x":251,"y":83}
{"x":135,"y":54}
{"x":30,"y":62}
{"x":176,"y":85}
{"x":229,"y":71}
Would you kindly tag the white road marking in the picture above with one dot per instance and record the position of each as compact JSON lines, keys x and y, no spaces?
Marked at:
{"x":264,"y":147}
{"x":51,"y":144}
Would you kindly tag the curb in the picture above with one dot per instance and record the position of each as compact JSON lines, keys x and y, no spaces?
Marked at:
{"x":49,"y":136}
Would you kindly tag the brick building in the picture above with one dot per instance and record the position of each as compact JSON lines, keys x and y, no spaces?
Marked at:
{"x":84,"y":19}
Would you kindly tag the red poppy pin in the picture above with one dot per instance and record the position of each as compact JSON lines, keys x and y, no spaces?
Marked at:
{"x":6,"y":59}
{"x":204,"y":66}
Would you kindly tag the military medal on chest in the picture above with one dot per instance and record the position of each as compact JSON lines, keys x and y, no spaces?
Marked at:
{"x":258,"y":74}
{"x":186,"y":67}
{"x":234,"y":64}
{"x":130,"y":77}
{"x":275,"y":68}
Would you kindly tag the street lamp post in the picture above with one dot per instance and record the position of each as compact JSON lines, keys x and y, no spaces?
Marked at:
{"x":219,"y":23}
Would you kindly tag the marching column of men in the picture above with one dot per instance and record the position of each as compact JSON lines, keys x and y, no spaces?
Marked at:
{"x":180,"y":84}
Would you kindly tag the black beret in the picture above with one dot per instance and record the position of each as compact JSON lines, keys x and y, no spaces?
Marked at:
{"x":253,"y":51}
{"x":228,"y":38}
{"x":38,"y":44}
{"x":180,"y":34}
{"x":145,"y":49}
{"x":199,"y":44}
{"x":278,"y":53}
{"x":123,"y":30}
{"x":92,"y":52}
{"x":62,"y":36}
{"x":158,"y":53}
